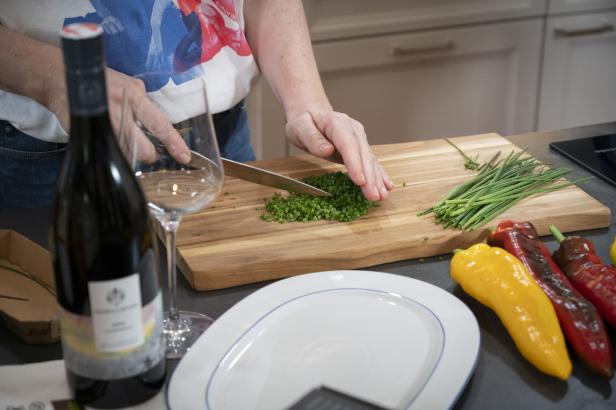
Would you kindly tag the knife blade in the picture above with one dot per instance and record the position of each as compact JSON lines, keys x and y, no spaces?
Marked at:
{"x":243,"y":171}
{"x":268,"y":178}
{"x":252,"y":174}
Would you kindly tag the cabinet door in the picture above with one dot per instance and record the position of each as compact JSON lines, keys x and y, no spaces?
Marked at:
{"x":568,"y":6}
{"x":423,"y":85}
{"x":579,"y":77}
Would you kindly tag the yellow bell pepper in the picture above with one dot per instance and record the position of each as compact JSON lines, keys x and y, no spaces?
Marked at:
{"x":500,"y":281}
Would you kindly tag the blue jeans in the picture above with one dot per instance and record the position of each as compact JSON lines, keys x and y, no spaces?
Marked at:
{"x":29,"y":167}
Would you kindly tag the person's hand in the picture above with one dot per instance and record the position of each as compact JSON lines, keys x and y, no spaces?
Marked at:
{"x":326,"y":133}
{"x":144,"y":111}
{"x":141,"y":109}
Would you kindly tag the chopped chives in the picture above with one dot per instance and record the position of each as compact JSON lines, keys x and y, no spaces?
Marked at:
{"x":346,"y":203}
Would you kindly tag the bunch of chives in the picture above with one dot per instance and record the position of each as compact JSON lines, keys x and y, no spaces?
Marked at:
{"x":499,"y":185}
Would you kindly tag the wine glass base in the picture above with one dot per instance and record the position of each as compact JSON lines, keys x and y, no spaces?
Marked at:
{"x":180,"y":334}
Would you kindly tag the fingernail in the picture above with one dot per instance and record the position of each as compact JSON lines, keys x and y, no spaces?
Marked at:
{"x":375,"y":192}
{"x":325,"y":147}
{"x":185,"y":158}
{"x":384,"y":193}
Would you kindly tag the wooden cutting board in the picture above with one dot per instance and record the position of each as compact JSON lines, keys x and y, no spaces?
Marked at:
{"x":228,"y":244}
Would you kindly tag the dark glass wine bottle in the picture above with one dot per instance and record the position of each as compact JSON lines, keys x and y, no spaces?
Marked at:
{"x":102,"y":246}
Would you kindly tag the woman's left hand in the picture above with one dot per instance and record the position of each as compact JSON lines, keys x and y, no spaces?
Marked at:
{"x":326,"y":133}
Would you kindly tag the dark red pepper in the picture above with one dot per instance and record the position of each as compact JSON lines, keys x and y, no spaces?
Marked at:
{"x":579,"y":319}
{"x":596,"y":281}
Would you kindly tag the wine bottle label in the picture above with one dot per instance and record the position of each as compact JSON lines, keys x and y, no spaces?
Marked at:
{"x":116,"y":313}
{"x":112,"y":343}
{"x":86,"y":89}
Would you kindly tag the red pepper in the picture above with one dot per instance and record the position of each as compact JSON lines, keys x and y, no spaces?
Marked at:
{"x":595,"y":280}
{"x":579,"y":319}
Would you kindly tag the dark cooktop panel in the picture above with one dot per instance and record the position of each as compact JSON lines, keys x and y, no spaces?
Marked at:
{"x":597,"y":154}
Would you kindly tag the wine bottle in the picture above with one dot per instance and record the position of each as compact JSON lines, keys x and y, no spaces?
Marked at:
{"x":102,"y":247}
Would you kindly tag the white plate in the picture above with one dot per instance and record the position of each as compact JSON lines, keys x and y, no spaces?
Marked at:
{"x":397,"y":342}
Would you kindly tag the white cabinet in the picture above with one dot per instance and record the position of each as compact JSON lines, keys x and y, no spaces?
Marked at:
{"x":579,"y":72}
{"x":438,"y":83}
{"x":423,"y":85}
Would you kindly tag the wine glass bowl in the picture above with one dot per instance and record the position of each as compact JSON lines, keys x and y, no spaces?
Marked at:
{"x":172,"y":187}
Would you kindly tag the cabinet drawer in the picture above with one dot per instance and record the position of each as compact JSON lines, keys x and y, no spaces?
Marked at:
{"x":568,"y":6}
{"x":436,"y":84}
{"x":333,"y":19}
{"x":421,"y":85}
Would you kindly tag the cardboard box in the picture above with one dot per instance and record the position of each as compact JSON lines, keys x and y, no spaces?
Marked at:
{"x":27,"y":303}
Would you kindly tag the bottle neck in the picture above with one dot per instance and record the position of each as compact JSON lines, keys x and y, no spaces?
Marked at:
{"x":89,"y":117}
{"x":87,"y":93}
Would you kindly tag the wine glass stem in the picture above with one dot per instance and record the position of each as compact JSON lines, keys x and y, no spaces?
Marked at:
{"x":171,"y":228}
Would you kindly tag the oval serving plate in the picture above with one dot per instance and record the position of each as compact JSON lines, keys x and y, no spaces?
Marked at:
{"x":397,"y":342}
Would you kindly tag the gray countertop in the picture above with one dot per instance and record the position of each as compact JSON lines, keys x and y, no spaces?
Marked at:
{"x":503,"y":379}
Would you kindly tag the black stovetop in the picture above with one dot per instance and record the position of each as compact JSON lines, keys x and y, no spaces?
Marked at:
{"x":597,"y":154}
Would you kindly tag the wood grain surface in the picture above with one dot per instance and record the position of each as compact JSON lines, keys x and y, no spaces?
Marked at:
{"x":228,"y":244}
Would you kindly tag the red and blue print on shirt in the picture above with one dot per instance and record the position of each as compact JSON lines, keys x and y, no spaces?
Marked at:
{"x":166,"y":36}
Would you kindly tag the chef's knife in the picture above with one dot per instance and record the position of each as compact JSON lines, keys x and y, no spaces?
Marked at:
{"x":257,"y":175}
{"x":242,"y":171}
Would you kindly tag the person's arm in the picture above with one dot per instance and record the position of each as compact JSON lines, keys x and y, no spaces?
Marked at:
{"x":35,"y":69}
{"x":278,"y":36}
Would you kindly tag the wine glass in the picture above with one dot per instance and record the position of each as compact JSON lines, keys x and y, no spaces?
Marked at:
{"x":172,"y":188}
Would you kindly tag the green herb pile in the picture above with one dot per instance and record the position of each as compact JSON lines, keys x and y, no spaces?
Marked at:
{"x":346,"y":203}
{"x":497,"y":187}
